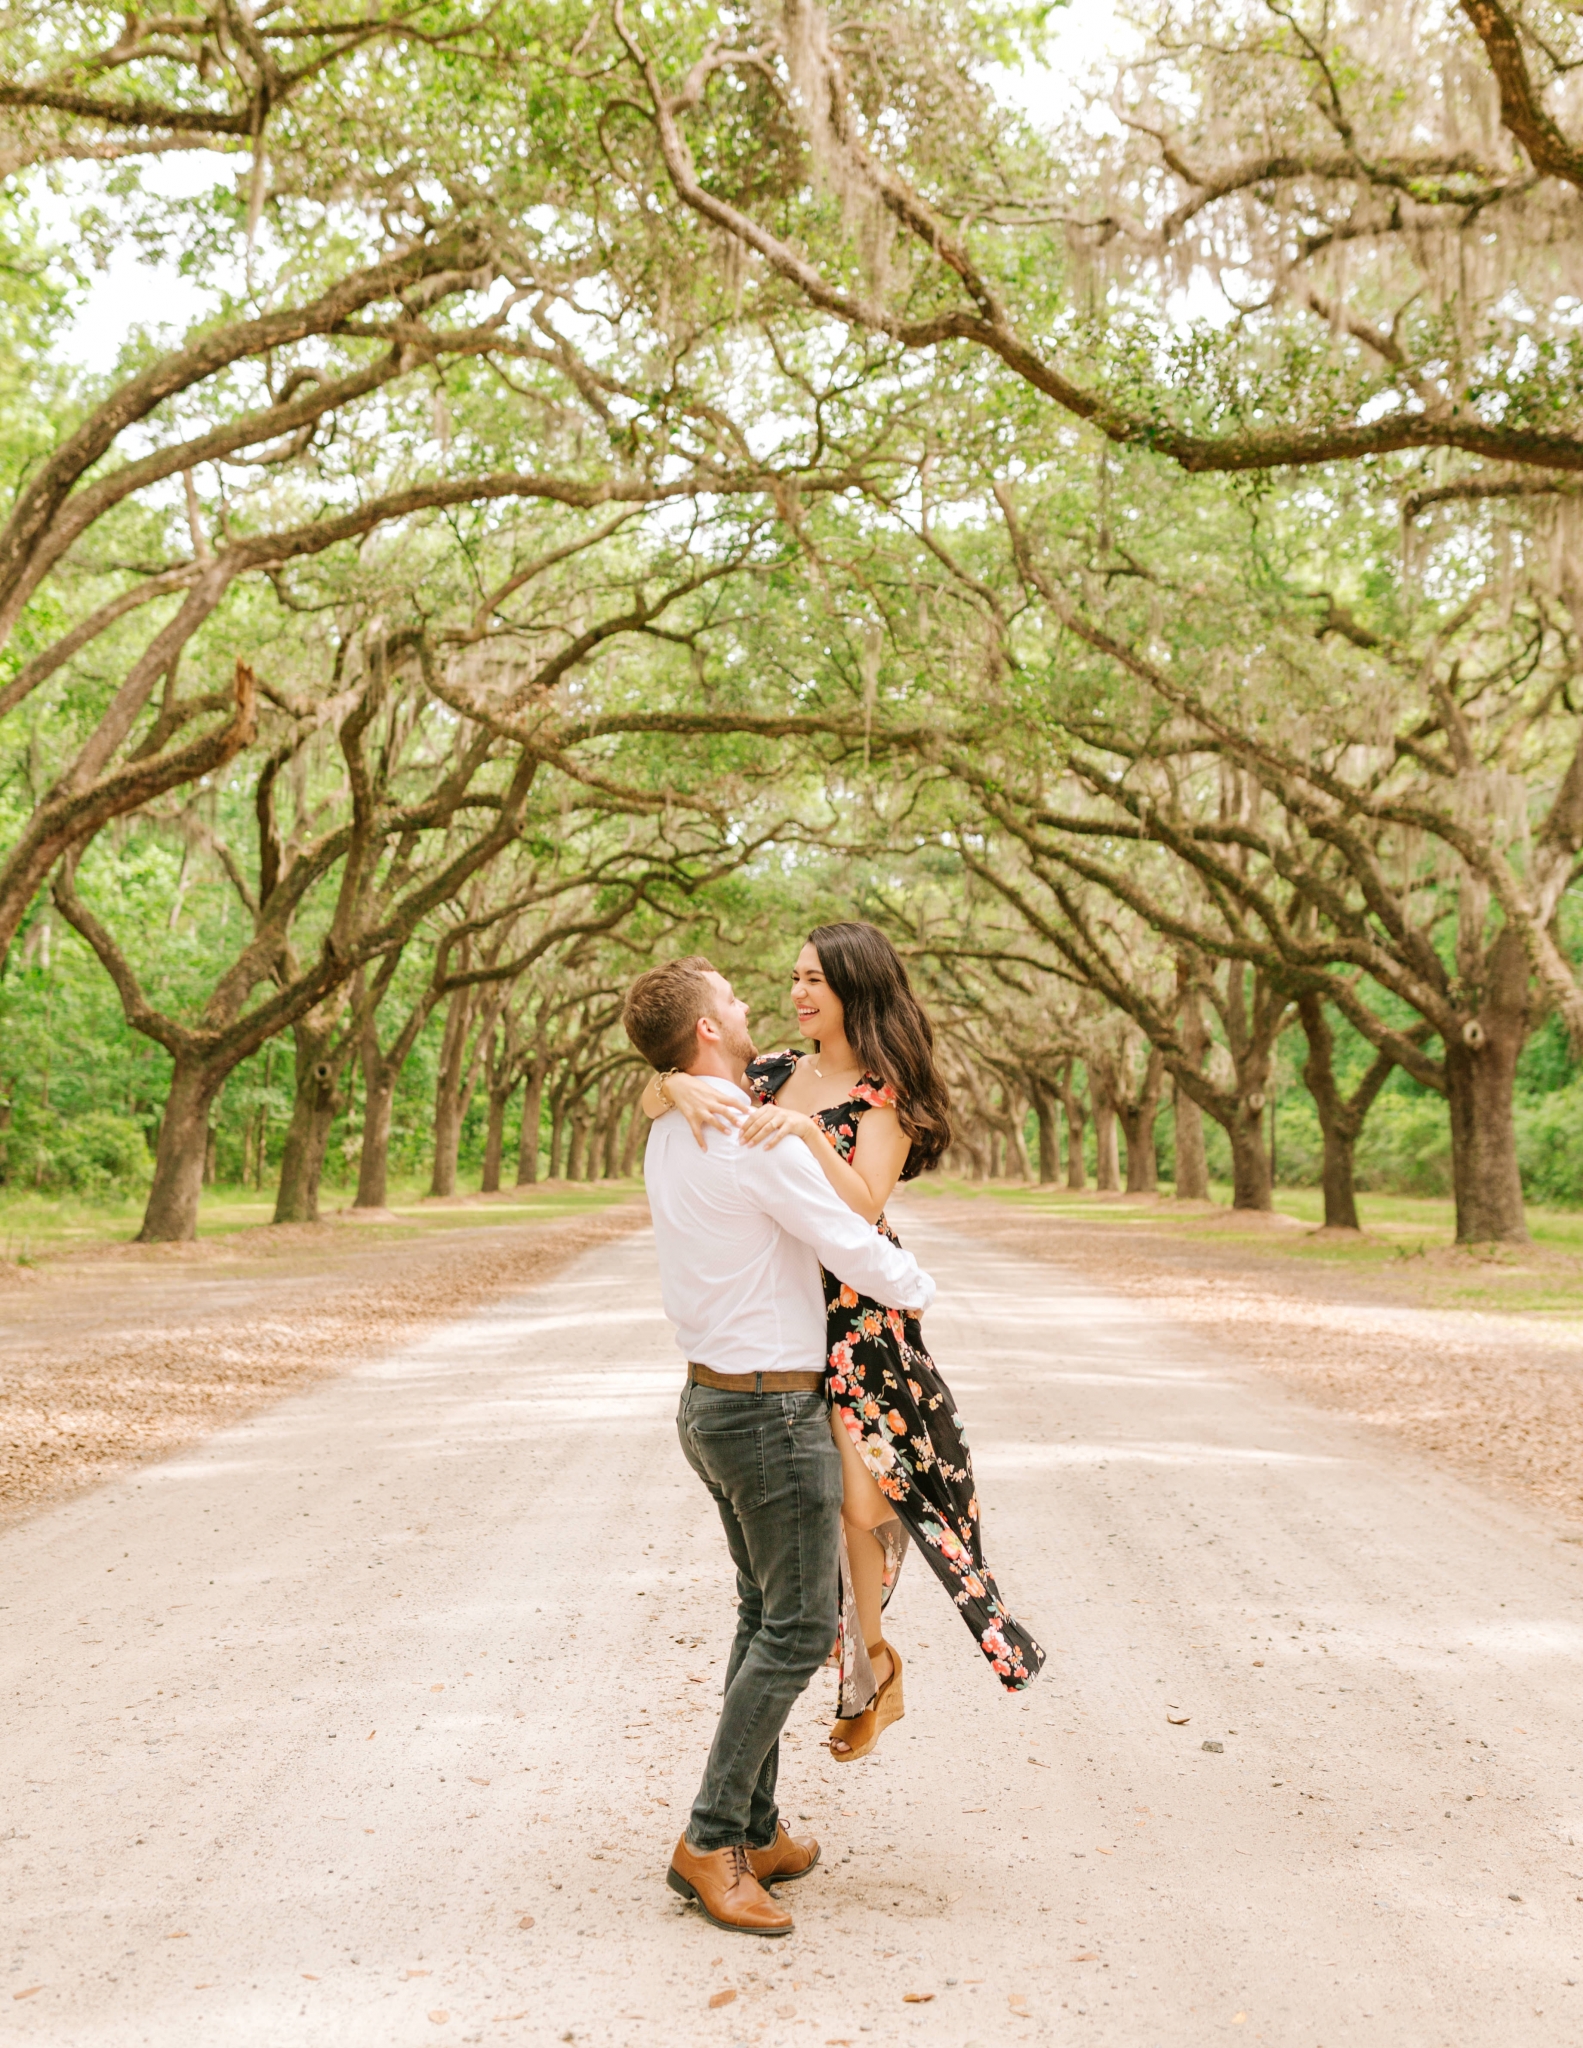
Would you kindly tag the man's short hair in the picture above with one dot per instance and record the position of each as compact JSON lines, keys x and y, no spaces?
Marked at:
{"x":662,"y":1009}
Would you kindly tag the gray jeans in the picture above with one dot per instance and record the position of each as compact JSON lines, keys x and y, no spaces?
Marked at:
{"x":775,"y":1473}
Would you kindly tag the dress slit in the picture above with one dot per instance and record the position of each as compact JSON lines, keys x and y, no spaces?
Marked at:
{"x":889,"y":1395}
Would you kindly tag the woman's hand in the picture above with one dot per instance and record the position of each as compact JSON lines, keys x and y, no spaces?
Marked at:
{"x":770,"y":1123}
{"x":704,"y":1108}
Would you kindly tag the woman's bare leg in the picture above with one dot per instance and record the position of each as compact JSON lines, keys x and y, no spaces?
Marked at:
{"x":863,"y":1508}
{"x":865,"y":1554}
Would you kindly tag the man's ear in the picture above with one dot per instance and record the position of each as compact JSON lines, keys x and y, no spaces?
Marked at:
{"x":708,"y":1031}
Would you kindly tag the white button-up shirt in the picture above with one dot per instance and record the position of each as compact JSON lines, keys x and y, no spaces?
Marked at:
{"x":742,"y":1232}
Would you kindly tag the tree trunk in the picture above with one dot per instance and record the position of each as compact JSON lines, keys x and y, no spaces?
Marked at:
{"x":637,"y":1136}
{"x":448,"y":1108}
{"x":577,"y":1155}
{"x":528,"y":1136}
{"x":1143,"y":1170}
{"x":313,"y":1110}
{"x":590,"y":1149}
{"x":1481,"y":1070}
{"x":261,"y":1142}
{"x":1484,"y":1176}
{"x":1107,"y":1174}
{"x":373,"y":1166}
{"x":599,"y":1136}
{"x":211,"y":1147}
{"x":1341,"y":1197}
{"x":1137,"y":1121}
{"x":1341,"y":1118}
{"x":487,"y":1010}
{"x":557,"y":1135}
{"x":1338,"y":1129}
{"x":1250,"y":1162}
{"x":1049,"y":1136}
{"x":1192,"y":1162}
{"x":171,"y":1214}
{"x":302,"y":1156}
{"x":1072,"y":1103}
{"x":967,"y":1153}
{"x":382,"y":1071}
{"x":1017,"y":1143}
{"x":1252,"y":1030}
{"x":495,"y":1138}
{"x":612,"y":1151}
{"x":1107,"y":1170}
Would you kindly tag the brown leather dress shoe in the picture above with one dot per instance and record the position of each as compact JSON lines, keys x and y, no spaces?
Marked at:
{"x":723,"y":1883}
{"x":783,"y":1859}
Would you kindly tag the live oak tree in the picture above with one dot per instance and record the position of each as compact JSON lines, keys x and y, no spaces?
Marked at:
{"x":303,"y":477}
{"x":1385,"y":815}
{"x":481,"y":944}
{"x":136,"y":741}
{"x":391,"y":337}
{"x":1022,"y":1015}
{"x":521,"y":1051}
{"x":1385,"y":203}
{"x":1091,"y":930}
{"x":98,"y":84}
{"x":1341,"y":1115}
{"x":1380,"y":743}
{"x":363,"y":863}
{"x":753,"y":434}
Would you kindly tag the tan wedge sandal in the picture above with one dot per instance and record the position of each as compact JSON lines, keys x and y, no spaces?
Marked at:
{"x":862,"y":1731}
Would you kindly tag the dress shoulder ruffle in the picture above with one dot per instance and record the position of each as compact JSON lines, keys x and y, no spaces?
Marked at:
{"x":767,"y":1075}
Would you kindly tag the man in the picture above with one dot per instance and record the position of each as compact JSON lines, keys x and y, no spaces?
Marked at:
{"x":741,"y":1232}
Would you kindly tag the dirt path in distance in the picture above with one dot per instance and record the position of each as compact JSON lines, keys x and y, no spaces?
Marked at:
{"x":1496,"y":1395}
{"x":116,"y":1355}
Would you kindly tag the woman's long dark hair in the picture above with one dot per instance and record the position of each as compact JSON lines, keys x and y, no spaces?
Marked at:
{"x":887,"y":1028}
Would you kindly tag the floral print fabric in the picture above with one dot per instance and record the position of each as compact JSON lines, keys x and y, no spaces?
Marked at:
{"x":888,"y":1394}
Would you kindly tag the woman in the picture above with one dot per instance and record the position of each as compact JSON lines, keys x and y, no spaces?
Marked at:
{"x":872,"y":1109}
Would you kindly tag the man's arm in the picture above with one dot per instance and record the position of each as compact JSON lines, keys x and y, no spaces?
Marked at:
{"x":788,"y":1185}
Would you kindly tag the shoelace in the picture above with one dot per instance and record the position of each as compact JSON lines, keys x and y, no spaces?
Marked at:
{"x":739,"y":1861}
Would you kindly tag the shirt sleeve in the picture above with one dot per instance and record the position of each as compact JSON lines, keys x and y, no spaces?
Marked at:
{"x":787,"y":1185}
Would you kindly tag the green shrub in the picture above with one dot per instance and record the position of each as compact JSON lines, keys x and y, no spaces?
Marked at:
{"x":1550,"y":1146}
{"x":96,"y":1153}
{"x":1299,"y":1143}
{"x":1405,"y":1146}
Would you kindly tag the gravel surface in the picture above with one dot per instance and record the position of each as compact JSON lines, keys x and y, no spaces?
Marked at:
{"x":1495,"y":1396}
{"x":125,"y":1353}
{"x":371,"y":1720}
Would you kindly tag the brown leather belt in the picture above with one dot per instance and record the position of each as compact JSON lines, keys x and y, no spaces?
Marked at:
{"x":755,"y":1382}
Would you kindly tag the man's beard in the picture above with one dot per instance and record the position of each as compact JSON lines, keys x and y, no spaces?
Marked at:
{"x":740,"y":1046}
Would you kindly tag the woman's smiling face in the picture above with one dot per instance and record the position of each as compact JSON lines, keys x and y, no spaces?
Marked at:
{"x":819,"y":1009}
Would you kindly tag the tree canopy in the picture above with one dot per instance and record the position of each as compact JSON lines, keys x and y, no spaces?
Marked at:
{"x":646,"y":480}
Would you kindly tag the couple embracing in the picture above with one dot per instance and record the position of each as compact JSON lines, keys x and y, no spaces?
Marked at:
{"x":812,"y":1411}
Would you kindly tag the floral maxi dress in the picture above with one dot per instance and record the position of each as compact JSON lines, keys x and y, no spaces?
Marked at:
{"x":888,"y":1393}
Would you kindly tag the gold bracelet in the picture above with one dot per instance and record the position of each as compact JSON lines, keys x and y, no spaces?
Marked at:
{"x":665,"y":1093}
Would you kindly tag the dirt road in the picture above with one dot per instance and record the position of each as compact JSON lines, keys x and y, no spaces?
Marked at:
{"x":372,"y":1719}
{"x":126,"y":1352}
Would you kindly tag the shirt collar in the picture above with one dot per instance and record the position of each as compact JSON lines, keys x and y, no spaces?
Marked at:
{"x":725,"y":1087}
